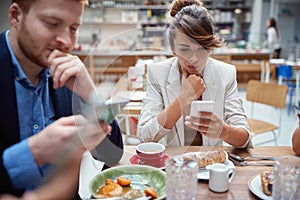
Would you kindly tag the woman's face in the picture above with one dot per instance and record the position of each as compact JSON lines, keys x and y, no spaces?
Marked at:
{"x":191,"y":55}
{"x":268,"y":23}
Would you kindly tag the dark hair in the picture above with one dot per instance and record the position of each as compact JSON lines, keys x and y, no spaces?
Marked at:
{"x":193,"y":19}
{"x":273,"y":24}
{"x":26,"y":4}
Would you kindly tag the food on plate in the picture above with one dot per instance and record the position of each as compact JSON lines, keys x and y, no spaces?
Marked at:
{"x":149,"y":191}
{"x":206,"y":158}
{"x":267,"y":178}
{"x":122,"y":188}
{"x":110,"y":190}
{"x":123,"y":181}
{"x":109,"y":181}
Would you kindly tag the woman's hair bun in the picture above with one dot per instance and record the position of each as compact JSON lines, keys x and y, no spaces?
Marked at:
{"x":177,"y":5}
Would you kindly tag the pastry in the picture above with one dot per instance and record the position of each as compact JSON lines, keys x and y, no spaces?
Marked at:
{"x":206,"y":158}
{"x":267,"y":178}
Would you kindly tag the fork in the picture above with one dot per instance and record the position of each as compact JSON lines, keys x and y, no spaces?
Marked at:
{"x":241,"y":159}
{"x":254,"y":163}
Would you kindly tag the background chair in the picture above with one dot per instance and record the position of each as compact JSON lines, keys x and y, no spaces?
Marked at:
{"x":285,"y":74}
{"x":269,"y":94}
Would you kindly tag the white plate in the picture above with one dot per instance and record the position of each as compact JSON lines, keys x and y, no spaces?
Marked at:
{"x":203,"y":174}
{"x":255,"y":187}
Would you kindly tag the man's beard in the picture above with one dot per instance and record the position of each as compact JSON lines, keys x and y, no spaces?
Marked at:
{"x":27,"y":45}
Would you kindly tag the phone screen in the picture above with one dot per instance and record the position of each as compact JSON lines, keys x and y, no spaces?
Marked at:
{"x":107,"y":111}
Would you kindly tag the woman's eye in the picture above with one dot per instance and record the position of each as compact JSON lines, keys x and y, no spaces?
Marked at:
{"x":184,"y":50}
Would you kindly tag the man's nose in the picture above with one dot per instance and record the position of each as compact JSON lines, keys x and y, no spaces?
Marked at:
{"x":64,"y":41}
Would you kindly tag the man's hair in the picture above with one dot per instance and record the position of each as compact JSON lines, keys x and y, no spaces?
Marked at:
{"x":25,"y":4}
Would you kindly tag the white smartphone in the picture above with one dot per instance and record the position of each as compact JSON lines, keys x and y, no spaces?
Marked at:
{"x":106,"y":111}
{"x":201,"y":105}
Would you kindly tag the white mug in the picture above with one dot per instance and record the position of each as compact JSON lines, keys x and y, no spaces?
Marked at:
{"x":219,"y":177}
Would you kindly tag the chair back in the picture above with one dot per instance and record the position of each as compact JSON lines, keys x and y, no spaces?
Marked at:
{"x":267,"y":93}
{"x":285,"y":71}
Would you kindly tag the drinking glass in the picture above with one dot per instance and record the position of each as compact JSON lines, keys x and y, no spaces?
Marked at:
{"x":181,"y":180}
{"x":132,"y":76}
{"x":286,"y":178}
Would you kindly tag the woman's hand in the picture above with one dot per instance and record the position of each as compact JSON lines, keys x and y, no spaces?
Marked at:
{"x":206,"y":123}
{"x":192,"y":87}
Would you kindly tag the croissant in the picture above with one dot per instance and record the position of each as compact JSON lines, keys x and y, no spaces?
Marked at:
{"x":267,"y":178}
{"x":206,"y":158}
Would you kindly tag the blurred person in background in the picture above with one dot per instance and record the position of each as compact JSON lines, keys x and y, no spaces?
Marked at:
{"x":192,"y":75}
{"x":45,"y":89}
{"x":273,"y":38}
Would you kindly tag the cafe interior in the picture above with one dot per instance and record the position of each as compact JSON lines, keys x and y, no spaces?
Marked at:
{"x":118,"y":40}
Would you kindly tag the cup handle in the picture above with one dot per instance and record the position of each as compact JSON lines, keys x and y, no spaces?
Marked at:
{"x":231,"y":170}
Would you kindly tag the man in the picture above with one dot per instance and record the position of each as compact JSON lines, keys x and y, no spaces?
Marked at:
{"x":43,"y":84}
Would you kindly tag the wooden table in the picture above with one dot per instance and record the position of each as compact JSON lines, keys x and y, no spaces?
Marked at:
{"x":238,"y":188}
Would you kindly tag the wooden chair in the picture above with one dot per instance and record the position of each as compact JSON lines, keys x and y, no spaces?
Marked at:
{"x":269,"y":94}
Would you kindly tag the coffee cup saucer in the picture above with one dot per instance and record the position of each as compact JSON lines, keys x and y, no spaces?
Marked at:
{"x":134,"y":161}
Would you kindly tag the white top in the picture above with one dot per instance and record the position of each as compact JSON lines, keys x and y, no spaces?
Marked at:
{"x":273,"y":40}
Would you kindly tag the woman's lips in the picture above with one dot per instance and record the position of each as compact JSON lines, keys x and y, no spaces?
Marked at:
{"x":192,"y":67}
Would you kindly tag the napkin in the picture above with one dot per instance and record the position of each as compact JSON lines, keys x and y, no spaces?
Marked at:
{"x":89,"y":168}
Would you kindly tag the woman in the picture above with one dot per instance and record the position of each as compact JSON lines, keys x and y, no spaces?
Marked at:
{"x":273,"y":38}
{"x":190,"y":75}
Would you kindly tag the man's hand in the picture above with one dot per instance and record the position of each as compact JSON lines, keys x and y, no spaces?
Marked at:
{"x":66,"y":133}
{"x":68,"y":70}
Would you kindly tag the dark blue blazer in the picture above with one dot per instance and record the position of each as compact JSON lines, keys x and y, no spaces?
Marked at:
{"x":109,"y":151}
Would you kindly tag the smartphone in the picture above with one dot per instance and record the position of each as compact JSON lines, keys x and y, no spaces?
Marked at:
{"x":106,"y":111}
{"x":201,"y":105}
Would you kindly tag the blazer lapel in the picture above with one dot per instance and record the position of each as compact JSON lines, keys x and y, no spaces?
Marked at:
{"x":211,"y":87}
{"x":62,"y":100}
{"x":8,"y":104}
{"x":173,"y":89}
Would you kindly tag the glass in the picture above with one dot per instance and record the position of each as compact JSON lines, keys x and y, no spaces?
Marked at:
{"x":286,"y":178}
{"x":132,"y":76}
{"x":181,"y":180}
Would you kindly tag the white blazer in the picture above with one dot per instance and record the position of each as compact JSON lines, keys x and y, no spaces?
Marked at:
{"x":164,"y":85}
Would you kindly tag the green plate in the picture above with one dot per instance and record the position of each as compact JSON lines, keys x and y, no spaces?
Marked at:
{"x":141,"y":176}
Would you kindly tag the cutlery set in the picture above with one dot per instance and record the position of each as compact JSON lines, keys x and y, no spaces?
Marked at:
{"x":251,"y":160}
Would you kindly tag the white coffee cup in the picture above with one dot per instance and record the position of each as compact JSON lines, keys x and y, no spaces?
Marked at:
{"x":219,"y":177}
{"x":201,"y":105}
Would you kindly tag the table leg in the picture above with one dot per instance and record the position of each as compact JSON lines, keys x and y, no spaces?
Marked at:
{"x":267,"y":78}
{"x":262,"y":73}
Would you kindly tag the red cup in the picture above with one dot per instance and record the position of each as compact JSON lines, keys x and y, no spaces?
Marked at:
{"x":150,"y":153}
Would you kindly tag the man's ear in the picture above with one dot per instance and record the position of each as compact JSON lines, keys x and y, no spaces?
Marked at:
{"x":15,"y":14}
